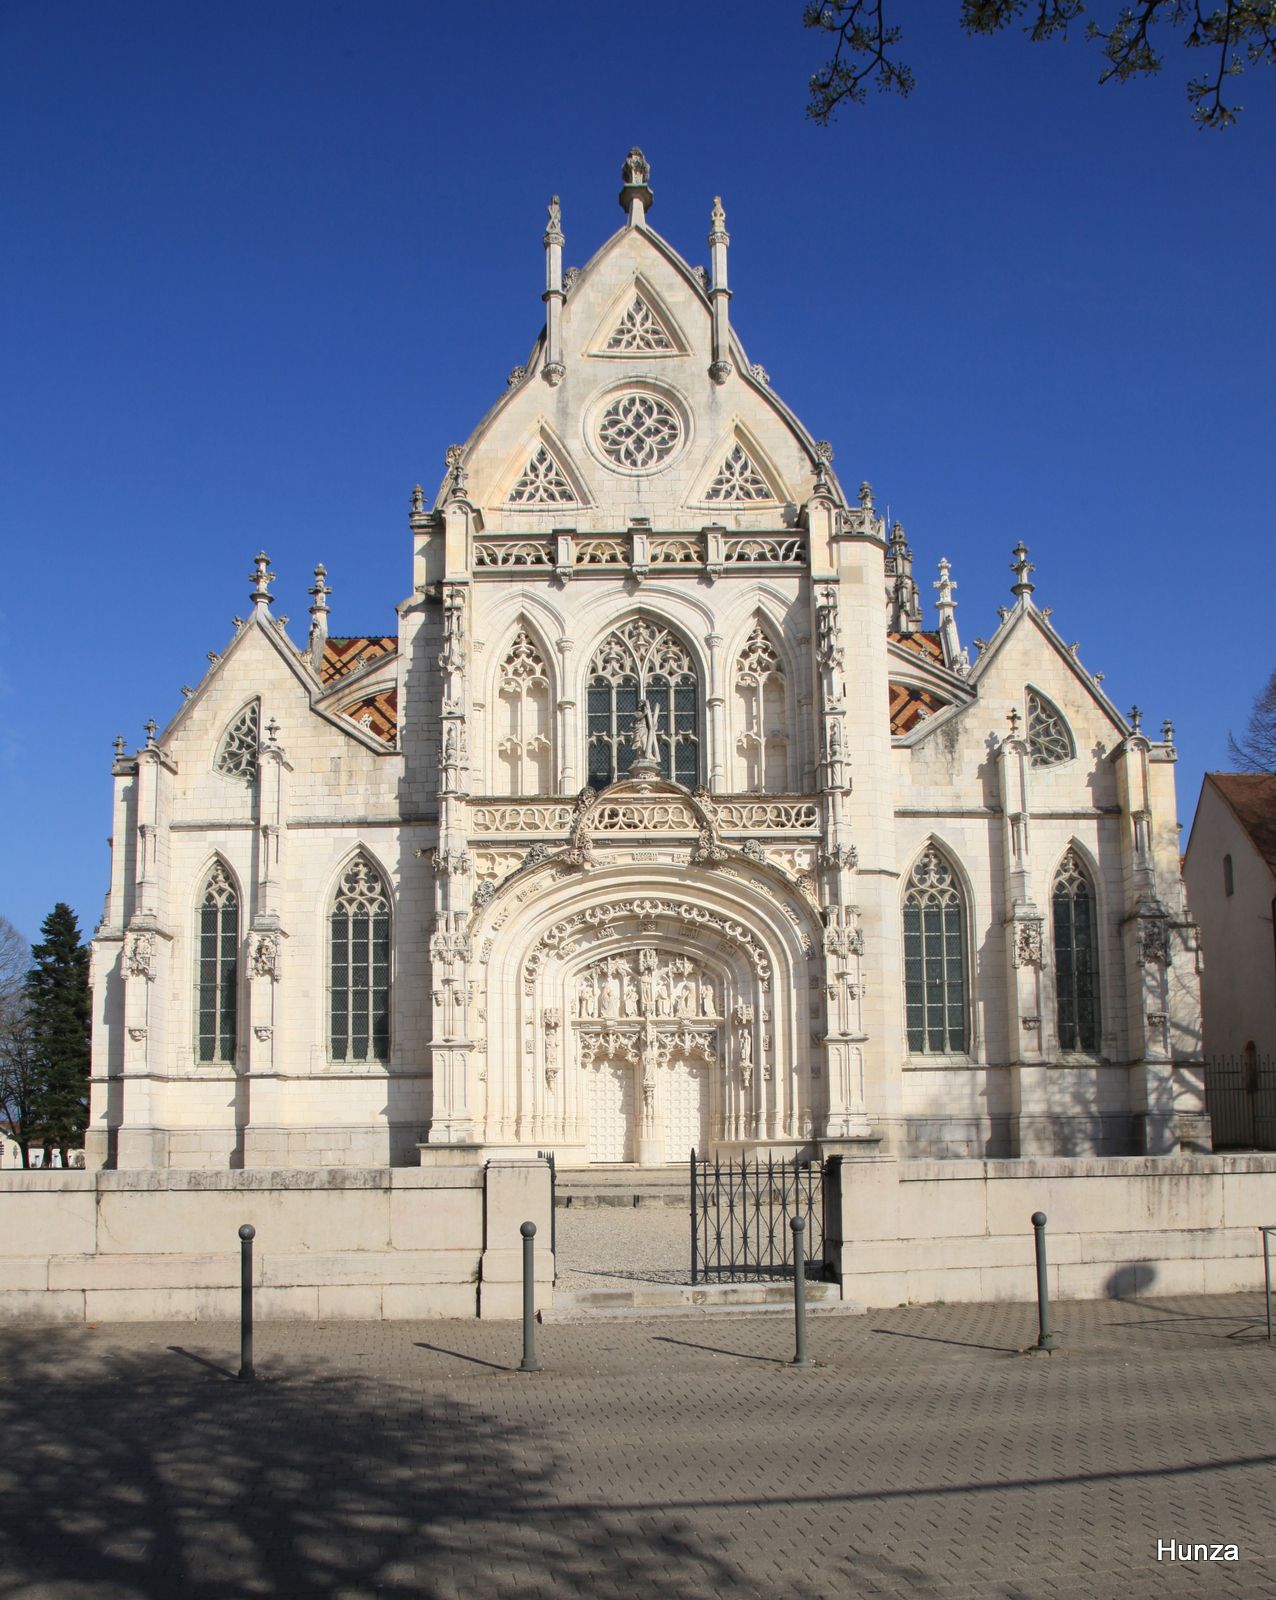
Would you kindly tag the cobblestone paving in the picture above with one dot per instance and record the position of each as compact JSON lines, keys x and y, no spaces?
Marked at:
{"x":924,"y":1457}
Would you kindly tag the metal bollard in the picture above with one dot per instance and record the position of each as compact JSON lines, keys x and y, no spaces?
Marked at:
{"x":1267,"y":1276}
{"x":1045,"y":1339}
{"x":246,"y":1236}
{"x":529,"y":1363}
{"x":800,"y":1357}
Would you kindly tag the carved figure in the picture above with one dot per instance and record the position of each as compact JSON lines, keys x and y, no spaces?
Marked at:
{"x":646,"y":733}
{"x":708,"y":999}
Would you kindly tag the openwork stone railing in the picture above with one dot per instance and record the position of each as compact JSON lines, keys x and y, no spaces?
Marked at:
{"x":567,"y":554}
{"x":639,"y":815}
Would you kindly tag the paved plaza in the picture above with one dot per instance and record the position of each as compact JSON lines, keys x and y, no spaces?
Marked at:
{"x":682,"y":1457}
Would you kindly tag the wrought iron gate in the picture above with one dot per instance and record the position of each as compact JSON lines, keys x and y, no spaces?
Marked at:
{"x":740,"y":1215}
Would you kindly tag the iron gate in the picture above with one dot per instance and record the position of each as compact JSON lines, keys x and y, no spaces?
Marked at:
{"x":740,"y":1214}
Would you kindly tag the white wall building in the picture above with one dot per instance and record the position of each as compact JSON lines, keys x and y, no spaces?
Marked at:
{"x":657,"y":820}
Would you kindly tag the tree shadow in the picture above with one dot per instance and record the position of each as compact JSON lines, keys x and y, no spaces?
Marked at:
{"x":133,"y":1475}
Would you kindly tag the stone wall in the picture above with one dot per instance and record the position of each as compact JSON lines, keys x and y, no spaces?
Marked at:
{"x":928,"y":1231}
{"x":331,"y":1243}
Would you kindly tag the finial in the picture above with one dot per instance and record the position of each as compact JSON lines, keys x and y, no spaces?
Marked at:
{"x":943,"y":583}
{"x":1136,"y":720}
{"x":1003,"y":612}
{"x":635,"y":175}
{"x":718,"y":223}
{"x":1167,"y":731}
{"x":454,"y":456}
{"x":321,"y":591}
{"x":1021,"y":567}
{"x":418,"y":501}
{"x":150,"y":726}
{"x":237,"y":623}
{"x":866,"y":495}
{"x":187,"y":691}
{"x":119,"y":747}
{"x":823,"y":459}
{"x":1013,"y":719}
{"x":262,"y":577}
{"x":898,"y":540}
{"x":272,"y":732}
{"x":554,"y":229}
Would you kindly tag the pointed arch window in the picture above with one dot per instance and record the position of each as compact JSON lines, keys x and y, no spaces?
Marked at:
{"x":1049,"y":740}
{"x":1076,"y":962}
{"x":738,"y":479}
{"x":359,"y":966}
{"x":543,"y":483}
{"x":217,"y":968}
{"x":935,"y":998}
{"x":642,"y":662}
{"x":762,"y":742}
{"x":237,"y":753}
{"x":523,"y":726}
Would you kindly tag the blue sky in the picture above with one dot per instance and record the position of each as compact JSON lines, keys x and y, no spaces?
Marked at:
{"x":261,"y":265}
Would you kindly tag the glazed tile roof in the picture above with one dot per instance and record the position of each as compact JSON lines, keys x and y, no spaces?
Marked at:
{"x":924,"y":643}
{"x":910,"y":705}
{"x":378,"y":713}
{"x":342,"y":655}
{"x":1252,"y":798}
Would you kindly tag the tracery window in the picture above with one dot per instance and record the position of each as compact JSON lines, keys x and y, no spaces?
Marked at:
{"x":217,"y":968}
{"x":1049,"y":742}
{"x":638,"y":432}
{"x":934,"y":958}
{"x":359,"y":966}
{"x":640,"y":329}
{"x":638,"y":662}
{"x":762,"y":743}
{"x":523,"y":728}
{"x":543,"y":483}
{"x":1076,"y":964}
{"x":738,"y":479}
{"x":237,"y":754}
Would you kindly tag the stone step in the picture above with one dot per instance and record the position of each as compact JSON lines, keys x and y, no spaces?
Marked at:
{"x":623,"y":1186}
{"x":694,"y":1300}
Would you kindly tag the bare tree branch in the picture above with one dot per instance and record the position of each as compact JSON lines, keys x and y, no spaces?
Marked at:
{"x":1241,"y":33}
{"x":1256,"y":751}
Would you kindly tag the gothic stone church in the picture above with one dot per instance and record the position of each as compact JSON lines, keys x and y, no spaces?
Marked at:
{"x":658,"y":819}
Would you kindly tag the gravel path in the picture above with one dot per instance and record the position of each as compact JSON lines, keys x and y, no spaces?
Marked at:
{"x":602,"y":1246}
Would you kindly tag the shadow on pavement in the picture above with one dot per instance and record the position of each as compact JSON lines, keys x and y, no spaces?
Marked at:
{"x":127,"y":1474}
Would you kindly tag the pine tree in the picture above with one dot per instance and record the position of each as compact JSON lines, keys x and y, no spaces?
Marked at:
{"x":58,"y":1001}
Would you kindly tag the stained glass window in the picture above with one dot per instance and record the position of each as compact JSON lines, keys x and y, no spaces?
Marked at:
{"x":642,"y":661}
{"x":359,"y":983}
{"x":1075,"y":956}
{"x":934,"y":958}
{"x":217,"y":969}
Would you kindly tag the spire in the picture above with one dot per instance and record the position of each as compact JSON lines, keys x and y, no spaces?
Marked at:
{"x":906,"y":605}
{"x":719,"y":293}
{"x":954,"y":656}
{"x":552,"y":372}
{"x":262,"y":577}
{"x":319,"y":615}
{"x":635,"y":197}
{"x":1021,"y":567}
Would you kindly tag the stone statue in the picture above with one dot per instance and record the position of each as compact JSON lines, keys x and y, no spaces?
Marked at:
{"x":646,"y":733}
{"x":708,"y":1001}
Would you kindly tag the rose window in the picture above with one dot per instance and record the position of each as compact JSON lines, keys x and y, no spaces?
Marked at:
{"x":639,"y":432}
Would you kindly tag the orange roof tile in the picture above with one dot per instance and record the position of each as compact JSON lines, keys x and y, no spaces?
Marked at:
{"x":341,"y":656}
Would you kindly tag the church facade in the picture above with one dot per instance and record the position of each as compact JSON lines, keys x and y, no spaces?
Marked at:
{"x":657,"y":820}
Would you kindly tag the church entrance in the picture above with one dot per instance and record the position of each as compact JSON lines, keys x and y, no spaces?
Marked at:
{"x":686,"y":1110}
{"x":609,"y":1111}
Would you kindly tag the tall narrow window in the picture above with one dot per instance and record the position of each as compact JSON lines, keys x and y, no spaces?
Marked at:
{"x":237,"y":753}
{"x":359,"y":981}
{"x":1229,"y":882}
{"x":522,"y":744}
{"x":762,"y":743}
{"x":934,"y":958}
{"x":642,"y":661}
{"x":217,"y":973}
{"x":1076,"y":965}
{"x":1049,"y":741}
